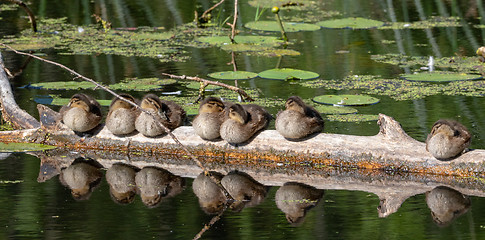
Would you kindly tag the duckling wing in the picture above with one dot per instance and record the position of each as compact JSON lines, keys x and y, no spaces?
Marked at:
{"x":176,"y":116}
{"x":259,"y":117}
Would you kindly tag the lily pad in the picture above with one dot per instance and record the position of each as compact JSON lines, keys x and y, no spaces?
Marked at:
{"x":58,"y":101}
{"x":326,"y":109}
{"x":288,"y":74}
{"x":273,"y":26}
{"x":191,"y":110}
{"x":196,"y":85}
{"x":352,"y":23}
{"x":346,"y":100}
{"x":23,"y":147}
{"x":142,"y":84}
{"x":233,"y":75}
{"x":440,"y":77}
{"x":69,"y":85}
{"x":353,"y":118}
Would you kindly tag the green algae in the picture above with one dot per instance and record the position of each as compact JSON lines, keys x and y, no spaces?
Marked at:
{"x":68,"y":85}
{"x":141,"y":84}
{"x":56,"y":100}
{"x":326,"y":109}
{"x":440,"y":77}
{"x":456,"y":63}
{"x":273,"y":26}
{"x":233,"y":75}
{"x":345,"y":100}
{"x":432,"y":22}
{"x":352,"y":118}
{"x":8,"y":7}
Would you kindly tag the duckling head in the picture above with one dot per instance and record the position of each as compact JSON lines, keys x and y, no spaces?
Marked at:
{"x":445,"y":129}
{"x":211,"y":105}
{"x":238,"y":114}
{"x":295,"y":103}
{"x":153,"y":102}
{"x":118,"y":103}
{"x":80,"y":101}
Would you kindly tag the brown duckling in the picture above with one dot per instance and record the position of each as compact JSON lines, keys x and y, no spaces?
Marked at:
{"x":122,"y":115}
{"x":298,"y":120}
{"x":170,"y":114}
{"x":208,"y":122}
{"x":82,"y":113}
{"x":243,"y":121}
{"x":447,"y":139}
{"x":446,"y":204}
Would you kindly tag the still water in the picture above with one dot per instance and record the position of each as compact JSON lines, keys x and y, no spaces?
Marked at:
{"x":33,"y":209}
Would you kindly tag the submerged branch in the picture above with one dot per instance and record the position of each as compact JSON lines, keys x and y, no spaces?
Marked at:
{"x":29,"y":12}
{"x":198,"y":79}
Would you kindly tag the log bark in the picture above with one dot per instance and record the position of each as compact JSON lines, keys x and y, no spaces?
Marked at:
{"x":11,"y":112}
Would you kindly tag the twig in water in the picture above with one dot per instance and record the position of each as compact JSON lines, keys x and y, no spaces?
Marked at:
{"x":29,"y":12}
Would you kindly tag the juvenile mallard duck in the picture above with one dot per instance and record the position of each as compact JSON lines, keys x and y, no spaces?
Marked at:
{"x":243,"y":121}
{"x":298,"y":120}
{"x":170,"y":114}
{"x":82,"y":113}
{"x":208,"y":122}
{"x":447,"y":139}
{"x":122,"y":116}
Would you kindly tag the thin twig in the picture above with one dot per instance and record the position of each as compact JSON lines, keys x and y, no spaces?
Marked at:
{"x":233,"y":25}
{"x":211,"y":223}
{"x":204,"y":15}
{"x":236,"y":89}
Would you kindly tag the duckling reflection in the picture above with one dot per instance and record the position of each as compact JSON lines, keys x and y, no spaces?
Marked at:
{"x":211,"y":197}
{"x":298,"y":120}
{"x":122,"y":115}
{"x":82,"y":113}
{"x":155,"y":183}
{"x":82,"y":177}
{"x":447,"y":139}
{"x":208,"y":122}
{"x":295,"y":199}
{"x":246,"y":191}
{"x":446,"y":204}
{"x":121,"y":181}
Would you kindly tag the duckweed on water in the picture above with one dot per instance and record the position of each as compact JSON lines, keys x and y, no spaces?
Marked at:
{"x":352,"y":117}
{"x":274,"y":26}
{"x":440,"y":77}
{"x":233,"y":75}
{"x":458,"y":64}
{"x":23,"y":147}
{"x":141,"y":84}
{"x":352,"y":23}
{"x":436,"y":21}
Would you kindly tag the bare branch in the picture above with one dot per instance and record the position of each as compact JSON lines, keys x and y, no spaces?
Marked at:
{"x":236,"y":89}
{"x":204,"y":15}
{"x":233,"y":25}
{"x":29,"y":12}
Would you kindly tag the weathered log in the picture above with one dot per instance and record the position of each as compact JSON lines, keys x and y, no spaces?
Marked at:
{"x":11,"y":112}
{"x":390,"y":150}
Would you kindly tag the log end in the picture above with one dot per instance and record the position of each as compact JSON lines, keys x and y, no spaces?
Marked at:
{"x":391,"y":129}
{"x":49,"y":119}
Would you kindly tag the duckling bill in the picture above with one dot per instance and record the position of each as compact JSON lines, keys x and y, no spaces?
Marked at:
{"x":170,"y":114}
{"x":82,"y":113}
{"x":243,"y":121}
{"x":122,"y":116}
{"x":208,"y":122}
{"x":298,"y":120}
{"x":447,"y":139}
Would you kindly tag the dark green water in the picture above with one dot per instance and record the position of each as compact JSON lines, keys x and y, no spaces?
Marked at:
{"x":32,"y":210}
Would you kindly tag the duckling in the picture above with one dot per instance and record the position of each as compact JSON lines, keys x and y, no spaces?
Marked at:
{"x":208,"y":122}
{"x":211,"y":197}
{"x":156,"y":183}
{"x":295,"y":199}
{"x":170,"y":114}
{"x":446,"y":204}
{"x":121,"y":181}
{"x":81,"y":177}
{"x":122,"y":115}
{"x":246,"y":191}
{"x":243,"y":121}
{"x":298,"y":120}
{"x":82,"y":113}
{"x":447,"y":139}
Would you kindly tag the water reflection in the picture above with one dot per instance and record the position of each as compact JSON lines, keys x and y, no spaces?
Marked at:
{"x":210,"y":195}
{"x":154,"y":183}
{"x":295,"y":199}
{"x":446,"y":204}
{"x":121,"y":180}
{"x":82,"y":177}
{"x":246,"y":191}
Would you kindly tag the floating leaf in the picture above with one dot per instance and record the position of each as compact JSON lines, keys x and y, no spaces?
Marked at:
{"x":23,"y":147}
{"x":69,"y":85}
{"x":191,"y":109}
{"x":440,"y":77}
{"x":273,"y":26}
{"x":345,"y":100}
{"x":353,"y":23}
{"x":142,"y":84}
{"x":288,"y":74}
{"x":58,"y":101}
{"x":196,"y":85}
{"x":326,"y":109}
{"x":233,"y":75}
{"x":352,"y":118}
